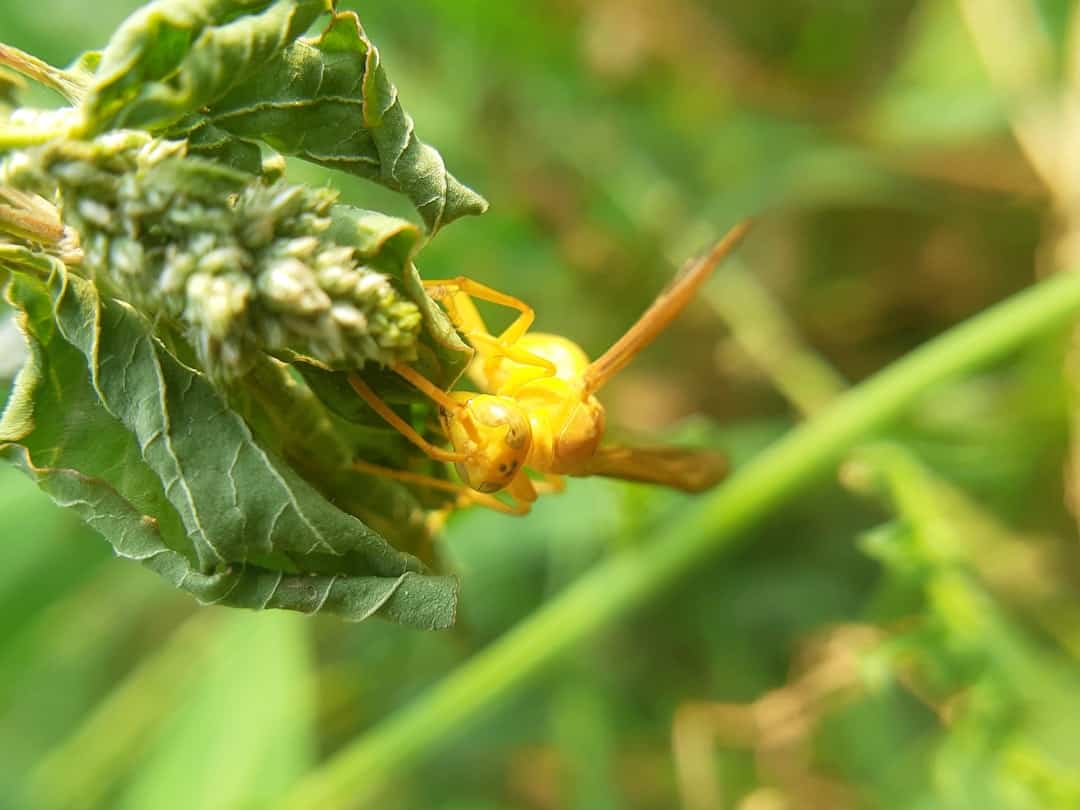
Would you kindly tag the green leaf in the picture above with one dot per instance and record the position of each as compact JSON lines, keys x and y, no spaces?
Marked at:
{"x":172,"y":57}
{"x":146,"y":452}
{"x":288,"y":417}
{"x":330,"y":101}
{"x":221,"y":72}
{"x":221,"y":147}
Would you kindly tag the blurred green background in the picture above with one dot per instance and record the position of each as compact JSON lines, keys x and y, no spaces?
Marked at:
{"x":905,"y":636}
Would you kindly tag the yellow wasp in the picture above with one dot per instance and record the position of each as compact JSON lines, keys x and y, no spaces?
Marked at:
{"x":537,"y":407}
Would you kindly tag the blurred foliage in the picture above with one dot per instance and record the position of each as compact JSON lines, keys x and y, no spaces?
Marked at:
{"x":913,"y":643}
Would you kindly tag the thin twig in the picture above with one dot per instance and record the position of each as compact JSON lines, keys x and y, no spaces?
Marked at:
{"x":1019,"y":58}
{"x":63,"y":82}
{"x":765,"y":333}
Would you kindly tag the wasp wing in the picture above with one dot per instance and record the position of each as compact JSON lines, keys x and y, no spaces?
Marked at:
{"x":682,"y":468}
{"x":667,"y":306}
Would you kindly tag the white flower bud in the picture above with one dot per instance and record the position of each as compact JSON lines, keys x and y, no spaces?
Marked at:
{"x":96,"y":213}
{"x":370,"y":284}
{"x":349,"y":318}
{"x":236,"y":264}
{"x":224,"y":259}
{"x":127,"y":256}
{"x":289,"y":286}
{"x":303,"y":247}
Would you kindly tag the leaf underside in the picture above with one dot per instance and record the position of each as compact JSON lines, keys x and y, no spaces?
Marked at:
{"x":238,"y":489}
{"x":144,"y":449}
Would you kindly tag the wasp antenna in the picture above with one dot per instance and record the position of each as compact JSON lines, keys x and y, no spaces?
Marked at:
{"x":663,"y":310}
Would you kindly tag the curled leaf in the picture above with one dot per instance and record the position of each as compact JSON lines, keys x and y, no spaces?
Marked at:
{"x":222,"y":72}
{"x":112,"y":426}
{"x":172,"y":57}
{"x":330,"y":101}
{"x":12,"y":350}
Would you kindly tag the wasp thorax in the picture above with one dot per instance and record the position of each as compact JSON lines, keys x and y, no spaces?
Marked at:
{"x":495,"y":435}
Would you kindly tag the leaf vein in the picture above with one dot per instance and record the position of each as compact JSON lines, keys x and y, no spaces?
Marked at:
{"x":273,"y":590}
{"x":326,"y":594}
{"x":166,"y":427}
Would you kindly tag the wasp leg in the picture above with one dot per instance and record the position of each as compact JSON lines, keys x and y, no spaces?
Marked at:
{"x":465,"y":495}
{"x":497,"y":348}
{"x":404,"y":428}
{"x":457,"y":295}
{"x":550,"y":484}
{"x":445,"y":402}
{"x":427,"y":387}
{"x":447,"y":290}
{"x":521,"y":488}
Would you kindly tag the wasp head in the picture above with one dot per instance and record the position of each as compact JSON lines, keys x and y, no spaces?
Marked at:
{"x":493,"y":433}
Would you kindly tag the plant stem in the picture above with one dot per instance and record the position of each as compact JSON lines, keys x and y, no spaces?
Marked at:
{"x":760,"y":326}
{"x":630,"y":579}
{"x":63,"y":82}
{"x":1019,"y":57}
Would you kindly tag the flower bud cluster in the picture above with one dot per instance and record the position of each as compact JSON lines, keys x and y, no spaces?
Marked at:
{"x":238,"y":264}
